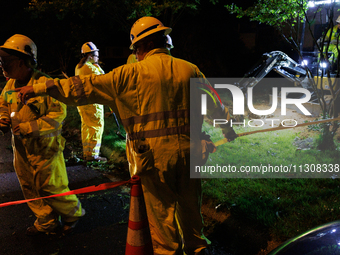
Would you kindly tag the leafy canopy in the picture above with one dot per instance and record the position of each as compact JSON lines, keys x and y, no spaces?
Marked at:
{"x":118,"y":10}
{"x":276,"y":13}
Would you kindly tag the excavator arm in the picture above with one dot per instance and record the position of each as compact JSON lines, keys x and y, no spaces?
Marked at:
{"x":276,"y":61}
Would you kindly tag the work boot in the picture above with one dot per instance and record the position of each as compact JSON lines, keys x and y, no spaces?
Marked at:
{"x":33,"y":231}
{"x":69,"y":227}
{"x":96,"y":159}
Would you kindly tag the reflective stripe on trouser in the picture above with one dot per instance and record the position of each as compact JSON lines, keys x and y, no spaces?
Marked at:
{"x":45,"y":175}
{"x":91,"y":149}
{"x":332,"y":48}
{"x":173,"y":201}
{"x":92,"y":128}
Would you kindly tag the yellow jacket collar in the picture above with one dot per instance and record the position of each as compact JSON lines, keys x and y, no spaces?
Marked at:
{"x":157,"y":51}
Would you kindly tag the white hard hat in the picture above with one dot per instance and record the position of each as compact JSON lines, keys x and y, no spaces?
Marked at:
{"x":22,"y":44}
{"x":169,"y":42}
{"x":144,"y":27}
{"x":88,"y":47}
{"x":338,"y":19}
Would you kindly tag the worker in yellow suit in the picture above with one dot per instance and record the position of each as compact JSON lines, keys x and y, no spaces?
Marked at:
{"x":153,"y":100}
{"x":92,"y":115}
{"x":37,"y":142}
{"x":331,"y":42}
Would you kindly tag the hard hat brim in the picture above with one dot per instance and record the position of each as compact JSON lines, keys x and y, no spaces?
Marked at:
{"x":166,"y":32}
{"x":3,"y":53}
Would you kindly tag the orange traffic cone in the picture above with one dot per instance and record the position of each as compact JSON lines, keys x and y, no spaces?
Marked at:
{"x":138,"y":241}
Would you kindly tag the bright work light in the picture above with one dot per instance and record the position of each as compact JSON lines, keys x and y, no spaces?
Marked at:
{"x":323,"y":64}
{"x":314,"y":3}
{"x":304,"y":62}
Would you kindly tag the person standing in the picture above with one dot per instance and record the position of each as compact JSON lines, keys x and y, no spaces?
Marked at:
{"x":37,"y":141}
{"x":153,"y":100}
{"x":331,"y":42}
{"x":92,"y":115}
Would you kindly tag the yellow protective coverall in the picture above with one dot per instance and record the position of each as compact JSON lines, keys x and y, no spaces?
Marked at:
{"x":152,"y":97}
{"x":38,"y":155}
{"x":92,"y":118}
{"x":332,"y":36}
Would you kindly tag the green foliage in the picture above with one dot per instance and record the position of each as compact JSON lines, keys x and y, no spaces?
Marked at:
{"x":99,"y":21}
{"x":119,"y":11}
{"x":62,"y":8}
{"x":286,"y":17}
{"x":154,"y":8}
{"x":277,"y":13}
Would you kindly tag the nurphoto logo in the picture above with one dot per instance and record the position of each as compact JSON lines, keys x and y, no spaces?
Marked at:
{"x":266,"y":120}
{"x":239,"y":103}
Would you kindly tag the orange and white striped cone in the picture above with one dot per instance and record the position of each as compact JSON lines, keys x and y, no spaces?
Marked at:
{"x":138,"y":241}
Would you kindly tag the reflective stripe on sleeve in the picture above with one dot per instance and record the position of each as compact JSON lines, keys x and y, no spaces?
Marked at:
{"x":34,"y":127}
{"x":79,"y":89}
{"x":36,"y":133}
{"x":4,"y":109}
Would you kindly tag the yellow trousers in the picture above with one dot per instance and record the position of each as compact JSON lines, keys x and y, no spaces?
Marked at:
{"x":42,"y":172}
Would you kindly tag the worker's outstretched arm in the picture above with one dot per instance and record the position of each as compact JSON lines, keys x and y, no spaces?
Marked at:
{"x":77,"y":90}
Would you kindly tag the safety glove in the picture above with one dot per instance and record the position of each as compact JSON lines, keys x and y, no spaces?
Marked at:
{"x":231,"y":135}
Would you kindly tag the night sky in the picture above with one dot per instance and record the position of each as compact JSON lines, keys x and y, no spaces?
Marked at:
{"x":217,"y":42}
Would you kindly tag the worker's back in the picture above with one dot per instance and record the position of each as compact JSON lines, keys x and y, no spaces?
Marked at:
{"x":161,"y":92}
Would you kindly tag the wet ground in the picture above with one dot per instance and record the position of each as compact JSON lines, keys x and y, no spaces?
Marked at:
{"x":103,"y":229}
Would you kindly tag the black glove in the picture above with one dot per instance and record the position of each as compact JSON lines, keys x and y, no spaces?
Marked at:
{"x":231,"y":135}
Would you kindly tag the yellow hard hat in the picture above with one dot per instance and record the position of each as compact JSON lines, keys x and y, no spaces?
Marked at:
{"x":22,"y":44}
{"x":144,"y":27}
{"x":88,"y":47}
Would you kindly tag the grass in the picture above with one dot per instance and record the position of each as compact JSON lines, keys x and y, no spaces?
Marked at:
{"x":110,"y":137}
{"x":113,"y":146}
{"x":269,"y":148}
{"x":288,"y":205}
